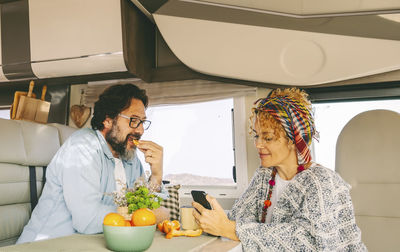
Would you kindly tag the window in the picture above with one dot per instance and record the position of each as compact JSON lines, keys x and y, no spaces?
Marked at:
{"x":198,"y":142}
{"x":330,"y":118}
{"x":5,"y":112}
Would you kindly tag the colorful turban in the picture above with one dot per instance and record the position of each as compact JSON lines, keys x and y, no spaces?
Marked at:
{"x":296,"y":119}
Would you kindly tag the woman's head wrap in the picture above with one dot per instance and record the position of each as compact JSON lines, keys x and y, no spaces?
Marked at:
{"x":295,"y":118}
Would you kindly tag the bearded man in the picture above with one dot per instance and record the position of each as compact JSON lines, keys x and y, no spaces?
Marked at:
{"x":92,"y":163}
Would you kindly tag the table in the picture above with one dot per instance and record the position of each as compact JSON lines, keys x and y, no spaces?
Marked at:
{"x":81,"y":242}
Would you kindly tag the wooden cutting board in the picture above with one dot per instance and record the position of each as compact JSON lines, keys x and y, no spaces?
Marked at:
{"x":14,"y":105}
{"x":27,"y":108}
{"x":43,"y":108}
{"x":27,"y":105}
{"x":32,"y":109}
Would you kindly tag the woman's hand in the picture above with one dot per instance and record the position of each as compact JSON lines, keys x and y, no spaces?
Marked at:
{"x":214,"y":221}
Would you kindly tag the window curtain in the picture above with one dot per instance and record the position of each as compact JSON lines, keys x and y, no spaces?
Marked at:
{"x":174,"y":92}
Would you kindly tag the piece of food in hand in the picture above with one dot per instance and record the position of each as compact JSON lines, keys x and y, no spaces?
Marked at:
{"x":114,"y":219}
{"x":190,"y":233}
{"x":133,"y":140}
{"x":143,"y":217}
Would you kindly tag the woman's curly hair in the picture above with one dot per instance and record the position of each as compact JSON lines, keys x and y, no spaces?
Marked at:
{"x":114,"y":100}
{"x":267,"y":120}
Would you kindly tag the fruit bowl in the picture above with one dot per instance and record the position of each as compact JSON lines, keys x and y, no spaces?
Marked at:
{"x":136,"y":238}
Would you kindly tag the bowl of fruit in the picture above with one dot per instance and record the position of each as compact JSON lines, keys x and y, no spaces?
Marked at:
{"x":134,"y":235}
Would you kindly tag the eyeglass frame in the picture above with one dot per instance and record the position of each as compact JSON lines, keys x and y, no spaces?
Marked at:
{"x":136,"y":118}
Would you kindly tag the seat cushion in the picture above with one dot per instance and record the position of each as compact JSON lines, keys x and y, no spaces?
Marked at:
{"x":13,"y":218}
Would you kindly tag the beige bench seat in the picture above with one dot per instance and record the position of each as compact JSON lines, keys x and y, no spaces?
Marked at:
{"x":368,"y":157}
{"x":23,"y":144}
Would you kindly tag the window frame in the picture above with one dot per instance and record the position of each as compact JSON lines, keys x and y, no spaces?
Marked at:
{"x":240,"y":155}
{"x":357,"y":92}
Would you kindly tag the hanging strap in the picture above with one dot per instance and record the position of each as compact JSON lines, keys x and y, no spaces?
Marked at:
{"x":32,"y":184}
{"x":44,"y":177}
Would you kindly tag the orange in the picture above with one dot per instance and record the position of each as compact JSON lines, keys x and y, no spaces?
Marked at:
{"x":190,"y":233}
{"x":160,"y":225}
{"x":143,"y":217}
{"x":168,"y":226}
{"x":175,"y":224}
{"x":128,"y":223}
{"x":114,"y":219}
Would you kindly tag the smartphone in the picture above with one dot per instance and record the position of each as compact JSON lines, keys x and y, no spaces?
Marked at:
{"x":200,"y":197}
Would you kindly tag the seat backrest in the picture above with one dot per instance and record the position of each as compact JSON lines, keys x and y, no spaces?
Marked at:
{"x":368,"y":157}
{"x":63,"y":131}
{"x":23,"y":144}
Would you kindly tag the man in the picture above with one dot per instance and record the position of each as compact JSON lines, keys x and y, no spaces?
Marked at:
{"x":87,"y":167}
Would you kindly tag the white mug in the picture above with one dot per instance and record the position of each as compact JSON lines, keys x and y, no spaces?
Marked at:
{"x":187,"y":219}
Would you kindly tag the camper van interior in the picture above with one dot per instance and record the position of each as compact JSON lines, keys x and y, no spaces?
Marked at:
{"x":203,"y":63}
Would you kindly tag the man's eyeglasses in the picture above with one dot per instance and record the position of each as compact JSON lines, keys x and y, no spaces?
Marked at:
{"x":135,"y":122}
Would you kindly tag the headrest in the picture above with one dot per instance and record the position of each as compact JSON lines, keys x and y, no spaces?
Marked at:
{"x":368,"y":157}
{"x":63,"y":131}
{"x":368,"y":147}
{"x":27,"y":143}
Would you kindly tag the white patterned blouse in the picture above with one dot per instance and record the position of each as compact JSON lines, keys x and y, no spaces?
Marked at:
{"x":313,"y":213}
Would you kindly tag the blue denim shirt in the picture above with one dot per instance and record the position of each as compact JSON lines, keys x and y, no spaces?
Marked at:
{"x":78,"y":178}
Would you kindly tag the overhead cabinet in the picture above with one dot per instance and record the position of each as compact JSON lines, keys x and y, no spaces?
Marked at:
{"x":58,"y":38}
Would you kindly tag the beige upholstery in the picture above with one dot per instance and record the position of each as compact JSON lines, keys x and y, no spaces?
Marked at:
{"x":64,"y":131}
{"x":22,"y":144}
{"x":368,"y":157}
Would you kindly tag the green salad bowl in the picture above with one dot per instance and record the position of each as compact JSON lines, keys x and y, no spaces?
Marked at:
{"x":137,"y":238}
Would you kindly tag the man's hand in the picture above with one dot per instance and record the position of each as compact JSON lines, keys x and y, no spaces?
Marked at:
{"x":153,"y":154}
{"x":214,"y":221}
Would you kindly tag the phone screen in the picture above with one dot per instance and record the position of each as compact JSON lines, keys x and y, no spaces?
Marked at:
{"x":200,"y":197}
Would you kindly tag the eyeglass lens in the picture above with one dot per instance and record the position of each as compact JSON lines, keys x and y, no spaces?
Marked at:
{"x":135,"y":122}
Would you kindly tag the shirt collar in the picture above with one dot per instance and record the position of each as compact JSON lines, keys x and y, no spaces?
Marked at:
{"x":104,"y":145}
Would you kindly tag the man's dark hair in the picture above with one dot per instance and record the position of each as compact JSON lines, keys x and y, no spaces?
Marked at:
{"x":114,"y":100}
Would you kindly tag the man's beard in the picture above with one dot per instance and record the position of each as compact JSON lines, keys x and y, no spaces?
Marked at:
{"x":120,"y":146}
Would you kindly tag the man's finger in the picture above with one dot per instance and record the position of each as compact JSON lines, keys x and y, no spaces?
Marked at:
{"x":150,"y":160}
{"x":145,"y":145}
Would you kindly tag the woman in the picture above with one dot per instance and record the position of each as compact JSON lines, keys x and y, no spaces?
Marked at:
{"x":291,"y":204}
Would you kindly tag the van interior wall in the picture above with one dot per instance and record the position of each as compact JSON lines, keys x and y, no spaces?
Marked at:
{"x":76,"y":99}
{"x":58,"y":95}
